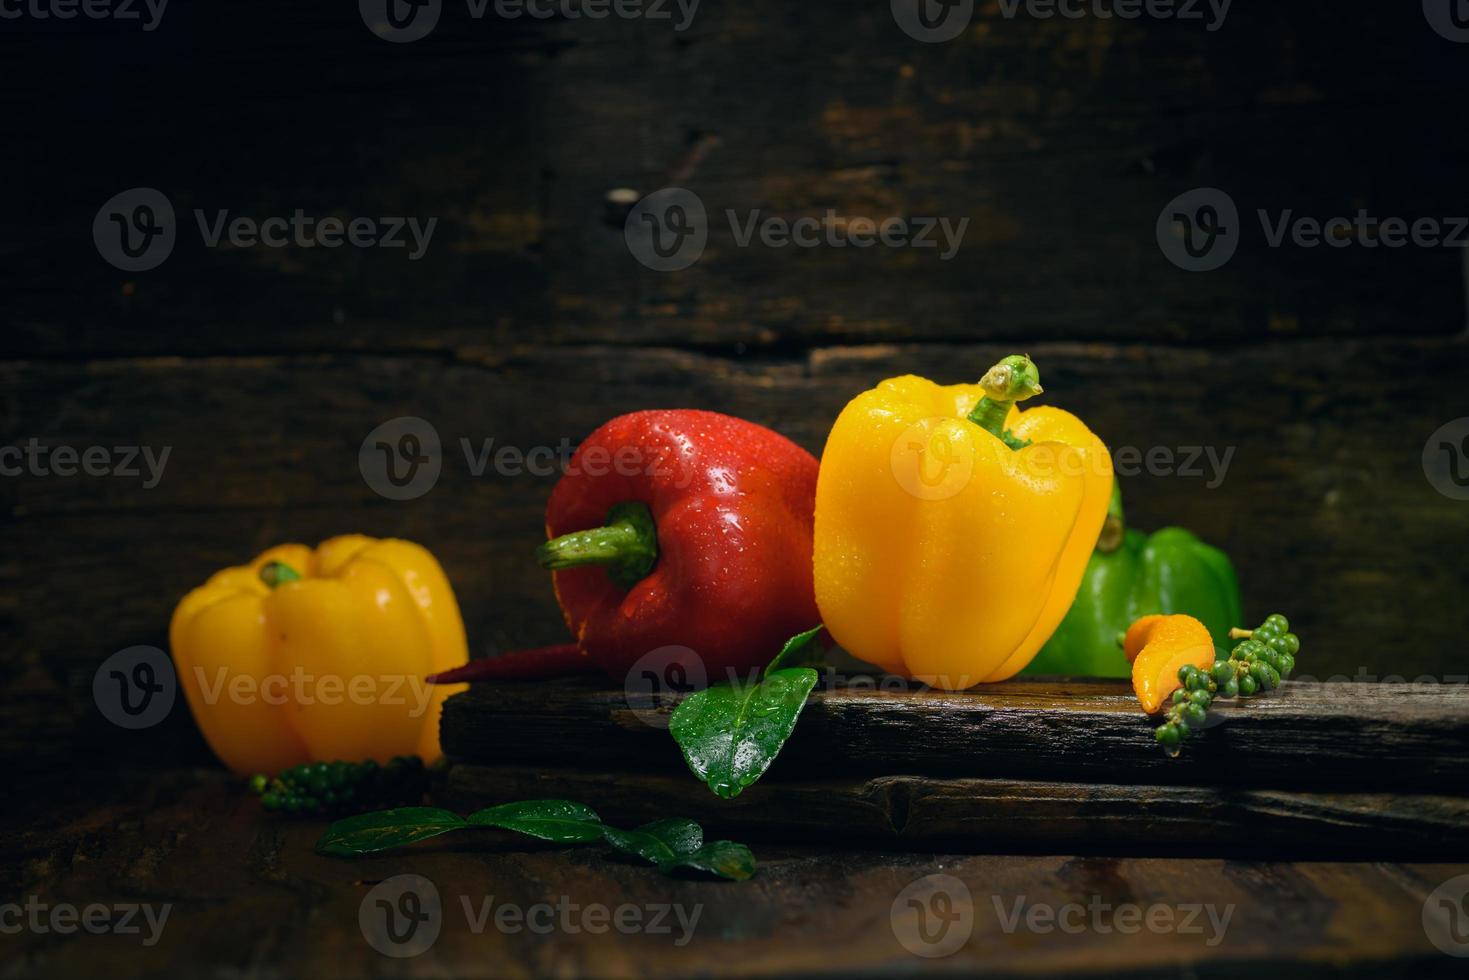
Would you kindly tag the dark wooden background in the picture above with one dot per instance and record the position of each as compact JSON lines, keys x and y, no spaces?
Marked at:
{"x":529,"y":322}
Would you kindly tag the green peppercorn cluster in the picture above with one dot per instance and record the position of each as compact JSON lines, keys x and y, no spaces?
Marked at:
{"x":1259,"y":662}
{"x":336,"y":788}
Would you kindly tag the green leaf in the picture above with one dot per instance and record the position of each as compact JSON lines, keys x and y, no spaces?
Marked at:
{"x":560,"y":821}
{"x":722,"y":857}
{"x":729,"y":736}
{"x":659,"y":841}
{"x":797,"y":651}
{"x":368,"y":833}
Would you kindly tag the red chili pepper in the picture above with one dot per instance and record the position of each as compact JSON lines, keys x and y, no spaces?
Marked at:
{"x":701,"y":526}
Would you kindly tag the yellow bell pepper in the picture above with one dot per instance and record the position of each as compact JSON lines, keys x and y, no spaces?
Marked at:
{"x":305,"y":655}
{"x":953,"y":529}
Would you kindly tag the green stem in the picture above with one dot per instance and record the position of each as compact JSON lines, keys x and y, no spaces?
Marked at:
{"x":627,"y":544}
{"x":1013,"y":379}
{"x":1114,"y":527}
{"x":275,"y":573}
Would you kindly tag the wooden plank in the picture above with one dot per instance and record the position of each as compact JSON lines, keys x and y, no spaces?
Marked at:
{"x":1324,"y":506}
{"x":995,"y":815}
{"x":1353,"y":738}
{"x":247,"y":895}
{"x":1053,"y":137}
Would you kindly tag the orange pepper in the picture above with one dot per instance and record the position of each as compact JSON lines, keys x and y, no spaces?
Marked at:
{"x":1158,"y":646}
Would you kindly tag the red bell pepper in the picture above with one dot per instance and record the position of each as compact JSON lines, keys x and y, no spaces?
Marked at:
{"x":675,"y":528}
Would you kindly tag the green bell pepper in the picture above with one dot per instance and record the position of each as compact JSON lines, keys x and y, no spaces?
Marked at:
{"x":1132,"y":574}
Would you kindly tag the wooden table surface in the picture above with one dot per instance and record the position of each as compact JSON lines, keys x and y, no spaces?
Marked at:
{"x":248,"y":897}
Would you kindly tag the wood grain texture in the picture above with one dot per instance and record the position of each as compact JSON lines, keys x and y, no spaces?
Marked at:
{"x":999,"y":816}
{"x":1351,"y":738}
{"x":1323,"y":505}
{"x":1060,"y":141}
{"x":249,"y":896}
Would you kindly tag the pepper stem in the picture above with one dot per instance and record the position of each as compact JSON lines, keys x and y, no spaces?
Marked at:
{"x":274,"y":573}
{"x":627,"y":544}
{"x":1013,"y":379}
{"x":1114,"y":528}
{"x":1235,"y":633}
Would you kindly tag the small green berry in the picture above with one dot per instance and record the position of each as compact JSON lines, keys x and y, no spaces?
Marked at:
{"x":1230,"y":688}
{"x":258,"y":783}
{"x":1194,"y":714}
{"x":1222,"y":672}
{"x":1168,"y":735}
{"x":1178,"y":696}
{"x":271,"y":801}
{"x":1248,"y":685}
{"x":1276,"y":623}
{"x":1201,"y":698}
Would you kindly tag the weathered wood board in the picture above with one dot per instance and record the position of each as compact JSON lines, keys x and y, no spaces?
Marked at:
{"x":998,"y":815}
{"x":1335,"y":770}
{"x":248,"y":897}
{"x":1347,"y":738}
